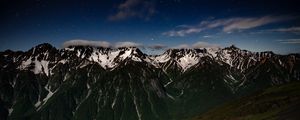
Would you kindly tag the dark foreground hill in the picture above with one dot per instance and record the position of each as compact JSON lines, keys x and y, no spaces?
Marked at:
{"x":275,"y":103}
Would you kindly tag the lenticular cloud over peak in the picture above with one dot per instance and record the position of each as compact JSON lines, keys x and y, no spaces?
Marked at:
{"x":205,"y":45}
{"x":105,"y":44}
{"x":86,"y":43}
{"x":127,"y":44}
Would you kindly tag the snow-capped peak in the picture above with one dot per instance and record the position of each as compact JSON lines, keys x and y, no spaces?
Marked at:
{"x":185,"y":58}
{"x":110,"y":58}
{"x":105,"y":59}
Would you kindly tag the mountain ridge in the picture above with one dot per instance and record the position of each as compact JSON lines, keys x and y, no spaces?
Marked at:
{"x":185,"y":58}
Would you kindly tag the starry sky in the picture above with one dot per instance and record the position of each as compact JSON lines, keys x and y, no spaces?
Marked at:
{"x":256,"y":25}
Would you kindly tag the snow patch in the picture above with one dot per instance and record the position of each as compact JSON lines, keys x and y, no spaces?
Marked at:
{"x":213,"y":51}
{"x":105,"y":60}
{"x":70,"y":49}
{"x":25,"y":64}
{"x":161,"y":58}
{"x":41,"y":66}
{"x":227,"y":57}
{"x":187,"y":61}
{"x":10,"y":111}
{"x":134,"y":58}
{"x":38,"y":103}
{"x":48,"y":96}
{"x":280,"y":63}
{"x":126,"y":54}
{"x":62,"y":61}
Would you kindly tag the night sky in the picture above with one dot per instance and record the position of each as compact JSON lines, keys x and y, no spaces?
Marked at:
{"x":157,"y":24}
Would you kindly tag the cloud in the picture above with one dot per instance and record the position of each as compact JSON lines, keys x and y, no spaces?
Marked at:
{"x":247,"y":23}
{"x":205,"y":45}
{"x":290,"y":41}
{"x":182,"y":46}
{"x":290,"y":30}
{"x":182,"y":32}
{"x":207,"y":36}
{"x":100,"y":44}
{"x":157,"y":47}
{"x":86,"y":43}
{"x":134,"y":8}
{"x":127,"y":44}
{"x":196,"y":45}
{"x":227,"y":25}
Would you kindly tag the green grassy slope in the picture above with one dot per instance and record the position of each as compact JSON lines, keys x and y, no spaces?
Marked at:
{"x":275,"y":103}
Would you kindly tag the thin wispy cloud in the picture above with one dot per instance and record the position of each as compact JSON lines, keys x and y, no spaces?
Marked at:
{"x":247,"y":23}
{"x":182,"y":32}
{"x":207,"y":36}
{"x":290,"y":30}
{"x":157,"y":47}
{"x":290,"y":41}
{"x":134,"y":8}
{"x":204,"y":45}
{"x":182,"y":46}
{"x":227,"y":25}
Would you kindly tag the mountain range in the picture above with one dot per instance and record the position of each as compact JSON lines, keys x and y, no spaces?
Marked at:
{"x":87,"y":83}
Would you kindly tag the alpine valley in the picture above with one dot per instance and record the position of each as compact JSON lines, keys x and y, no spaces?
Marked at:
{"x":96,"y":83}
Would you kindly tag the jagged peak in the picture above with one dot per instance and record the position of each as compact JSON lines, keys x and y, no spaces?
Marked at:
{"x":269,"y":52}
{"x":44,"y":46}
{"x":11,"y":52}
{"x":41,"y":48}
{"x":132,"y":52}
{"x":232,"y":47}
